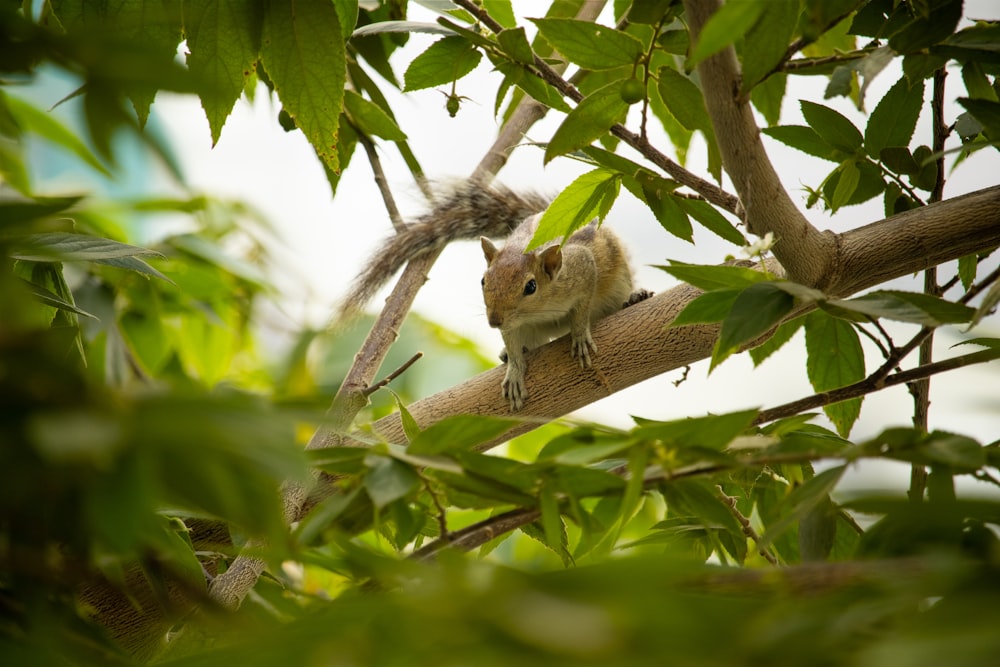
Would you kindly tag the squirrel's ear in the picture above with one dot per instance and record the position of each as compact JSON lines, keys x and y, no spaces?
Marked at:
{"x":489,"y":249}
{"x":551,"y":260}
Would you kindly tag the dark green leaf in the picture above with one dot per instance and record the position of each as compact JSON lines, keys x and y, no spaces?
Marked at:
{"x":767,"y":40}
{"x":708,"y":308}
{"x":834,"y":128}
{"x":756,"y":310}
{"x":388,"y":479}
{"x":47,"y":126}
{"x":712,"y":220}
{"x":986,"y":112}
{"x":804,"y":139}
{"x":925,"y":31}
{"x":590,"y":45}
{"x":803,"y":500}
{"x":892,"y":122}
{"x":898,"y":159}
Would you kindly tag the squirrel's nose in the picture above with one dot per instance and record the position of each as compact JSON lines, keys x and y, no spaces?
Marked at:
{"x":494,"y":319}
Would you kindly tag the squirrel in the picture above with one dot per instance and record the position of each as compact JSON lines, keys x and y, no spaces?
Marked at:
{"x":531,"y":297}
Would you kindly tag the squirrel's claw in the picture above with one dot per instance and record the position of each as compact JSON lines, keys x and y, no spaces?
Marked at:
{"x":513,"y":389}
{"x":582,"y":346}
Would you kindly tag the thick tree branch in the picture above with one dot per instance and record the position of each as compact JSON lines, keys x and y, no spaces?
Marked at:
{"x":633,"y":345}
{"x":804,"y":251}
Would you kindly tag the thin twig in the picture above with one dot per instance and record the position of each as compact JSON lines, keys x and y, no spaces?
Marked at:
{"x":872,"y":384}
{"x":393,"y":375}
{"x":730,"y":502}
{"x":380,"y":180}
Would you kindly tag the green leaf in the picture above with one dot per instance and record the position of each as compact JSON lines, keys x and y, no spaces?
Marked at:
{"x":781,"y":335}
{"x":803,"y":500}
{"x":388,"y":479}
{"x":684,"y":100}
{"x":833,"y":127}
{"x":892,"y":122}
{"x":65,"y":246}
{"x":712,"y":432}
{"x":577,"y":205}
{"x":50,"y":298}
{"x":899,"y":160}
{"x":929,"y":29}
{"x":370,"y":118}
{"x":14,"y":211}
{"x":590,"y":45}
{"x":223,"y":38}
{"x":986,"y":112}
{"x":756,"y":310}
{"x":708,"y":308}
{"x":589,"y":120}
{"x":768,"y":95}
{"x":515,"y":44}
{"x":767,"y":40}
{"x":48,"y":127}
{"x":911,"y":307}
{"x":835,"y":359}
{"x":805,"y":139}
{"x":847,"y":183}
{"x":458,"y":433}
{"x":713,"y":277}
{"x":303,"y":53}
{"x":444,"y":61}
{"x":712,"y":220}
{"x":411,"y":429}
{"x":989,"y":302}
{"x":728,"y":24}
{"x":668,"y":210}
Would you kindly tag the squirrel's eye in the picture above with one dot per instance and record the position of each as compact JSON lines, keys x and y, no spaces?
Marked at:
{"x":483,"y":281}
{"x":530,"y":287}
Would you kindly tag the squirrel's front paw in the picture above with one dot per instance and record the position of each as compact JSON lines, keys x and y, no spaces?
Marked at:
{"x":582,"y":347}
{"x":513,"y":388}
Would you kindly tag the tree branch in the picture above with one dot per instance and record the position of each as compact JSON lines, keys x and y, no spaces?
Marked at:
{"x":803,"y":251}
{"x":634,"y":344}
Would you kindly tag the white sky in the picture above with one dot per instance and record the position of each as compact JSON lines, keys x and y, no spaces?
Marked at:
{"x":256,"y":161}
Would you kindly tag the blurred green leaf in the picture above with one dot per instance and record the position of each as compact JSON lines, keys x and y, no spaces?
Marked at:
{"x":458,"y":433}
{"x":731,"y":22}
{"x":388,"y":480}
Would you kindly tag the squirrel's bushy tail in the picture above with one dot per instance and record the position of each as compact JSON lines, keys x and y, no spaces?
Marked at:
{"x":467,"y":212}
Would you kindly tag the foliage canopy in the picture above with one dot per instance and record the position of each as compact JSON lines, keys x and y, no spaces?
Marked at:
{"x":151,"y":461}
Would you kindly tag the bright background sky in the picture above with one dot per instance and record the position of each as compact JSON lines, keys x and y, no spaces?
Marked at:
{"x":326,"y":239}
